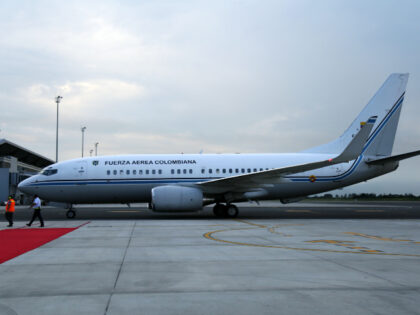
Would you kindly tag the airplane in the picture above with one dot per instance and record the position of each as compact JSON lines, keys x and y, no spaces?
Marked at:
{"x":188,"y":182}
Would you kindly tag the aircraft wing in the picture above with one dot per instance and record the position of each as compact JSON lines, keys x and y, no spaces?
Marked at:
{"x":260,"y":179}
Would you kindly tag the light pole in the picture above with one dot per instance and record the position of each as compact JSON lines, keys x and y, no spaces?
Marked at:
{"x":96,"y":148}
{"x":57,"y":100}
{"x":83,"y":138}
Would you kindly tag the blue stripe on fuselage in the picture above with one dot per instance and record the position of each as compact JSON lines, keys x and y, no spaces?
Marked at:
{"x":116,"y":181}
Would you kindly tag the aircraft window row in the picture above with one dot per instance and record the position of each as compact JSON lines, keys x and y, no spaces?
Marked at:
{"x":184,"y":171}
{"x":232,"y":171}
{"x":134,"y":172}
{"x":179,"y":171}
{"x":148,"y":172}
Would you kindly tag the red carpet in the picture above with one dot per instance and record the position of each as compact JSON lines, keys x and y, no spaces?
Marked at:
{"x":16,"y":242}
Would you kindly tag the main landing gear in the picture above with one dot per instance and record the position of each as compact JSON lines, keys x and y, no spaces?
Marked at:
{"x":71,"y":213}
{"x":225,"y":211}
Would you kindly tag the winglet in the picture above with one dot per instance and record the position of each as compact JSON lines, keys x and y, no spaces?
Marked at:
{"x":355,"y":147}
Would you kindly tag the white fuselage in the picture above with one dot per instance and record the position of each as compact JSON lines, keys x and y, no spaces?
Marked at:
{"x":130,"y":178}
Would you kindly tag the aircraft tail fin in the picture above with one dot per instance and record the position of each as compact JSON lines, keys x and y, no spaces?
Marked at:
{"x":386,"y":105}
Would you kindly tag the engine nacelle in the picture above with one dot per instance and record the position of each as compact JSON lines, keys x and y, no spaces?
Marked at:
{"x":176,"y":198}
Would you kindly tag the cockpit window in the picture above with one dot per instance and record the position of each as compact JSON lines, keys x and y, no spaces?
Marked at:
{"x":49,"y":171}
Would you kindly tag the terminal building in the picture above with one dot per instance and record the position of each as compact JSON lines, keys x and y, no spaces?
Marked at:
{"x":17,"y":164}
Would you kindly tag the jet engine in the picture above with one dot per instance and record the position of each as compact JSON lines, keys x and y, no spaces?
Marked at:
{"x":176,"y":199}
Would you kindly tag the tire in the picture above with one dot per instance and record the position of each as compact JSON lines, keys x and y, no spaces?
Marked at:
{"x":232,"y":211}
{"x":71,"y":214}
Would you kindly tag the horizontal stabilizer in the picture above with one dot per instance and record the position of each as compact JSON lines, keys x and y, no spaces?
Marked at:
{"x":394,"y":158}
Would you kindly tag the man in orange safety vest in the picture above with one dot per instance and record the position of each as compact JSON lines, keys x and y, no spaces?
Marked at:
{"x":10,"y":210}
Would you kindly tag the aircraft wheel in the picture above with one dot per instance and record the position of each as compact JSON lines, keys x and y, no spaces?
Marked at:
{"x":232,"y":211}
{"x":70,"y":214}
{"x":218,"y":210}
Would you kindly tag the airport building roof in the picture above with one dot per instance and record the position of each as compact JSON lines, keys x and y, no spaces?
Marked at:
{"x":8,"y":148}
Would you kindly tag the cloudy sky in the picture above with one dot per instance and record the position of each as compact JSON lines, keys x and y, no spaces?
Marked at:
{"x":218,"y":76}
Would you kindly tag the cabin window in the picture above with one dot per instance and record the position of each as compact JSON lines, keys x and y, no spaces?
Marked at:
{"x":121,"y":172}
{"x":160,"y":171}
{"x":115,"y":172}
{"x":178,"y":171}
{"x":249,"y":170}
{"x":127,"y":172}
{"x":210,"y":170}
{"x":108,"y":172}
{"x":203,"y":171}
{"x":255,"y":169}
{"x":184,"y":171}
{"x":134,"y":172}
{"x":147,"y":172}
{"x":242,"y":170}
{"x":140,"y":172}
{"x":217,"y":171}
{"x":172,"y":171}
{"x":190,"y":171}
{"x":153,"y":172}
{"x":230,"y":171}
{"x":261,"y":169}
{"x":236,"y":170}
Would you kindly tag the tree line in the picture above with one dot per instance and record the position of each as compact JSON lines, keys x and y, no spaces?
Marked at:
{"x":366,"y":196}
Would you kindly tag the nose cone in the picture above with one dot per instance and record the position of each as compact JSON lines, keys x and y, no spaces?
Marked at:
{"x":26,"y":185}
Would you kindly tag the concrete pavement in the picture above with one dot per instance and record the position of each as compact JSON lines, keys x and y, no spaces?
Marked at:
{"x":214,"y":266}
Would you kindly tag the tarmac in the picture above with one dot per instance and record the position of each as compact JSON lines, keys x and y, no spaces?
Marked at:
{"x":325,"y":258}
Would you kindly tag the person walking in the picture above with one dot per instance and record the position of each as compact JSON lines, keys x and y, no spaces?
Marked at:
{"x":36,"y":205}
{"x":10,"y":210}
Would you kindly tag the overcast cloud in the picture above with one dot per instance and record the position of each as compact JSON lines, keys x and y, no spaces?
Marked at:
{"x":218,"y":76}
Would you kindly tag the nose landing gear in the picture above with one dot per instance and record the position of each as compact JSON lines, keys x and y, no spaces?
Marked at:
{"x":225,"y":211}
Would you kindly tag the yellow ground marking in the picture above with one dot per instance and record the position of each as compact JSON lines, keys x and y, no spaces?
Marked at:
{"x":250,"y":223}
{"x":210,"y":236}
{"x":369,"y":210}
{"x":347,"y":244}
{"x":273,"y":229}
{"x":330,"y":242}
{"x":377,"y":237}
{"x":300,"y":211}
{"x":281,"y":225}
